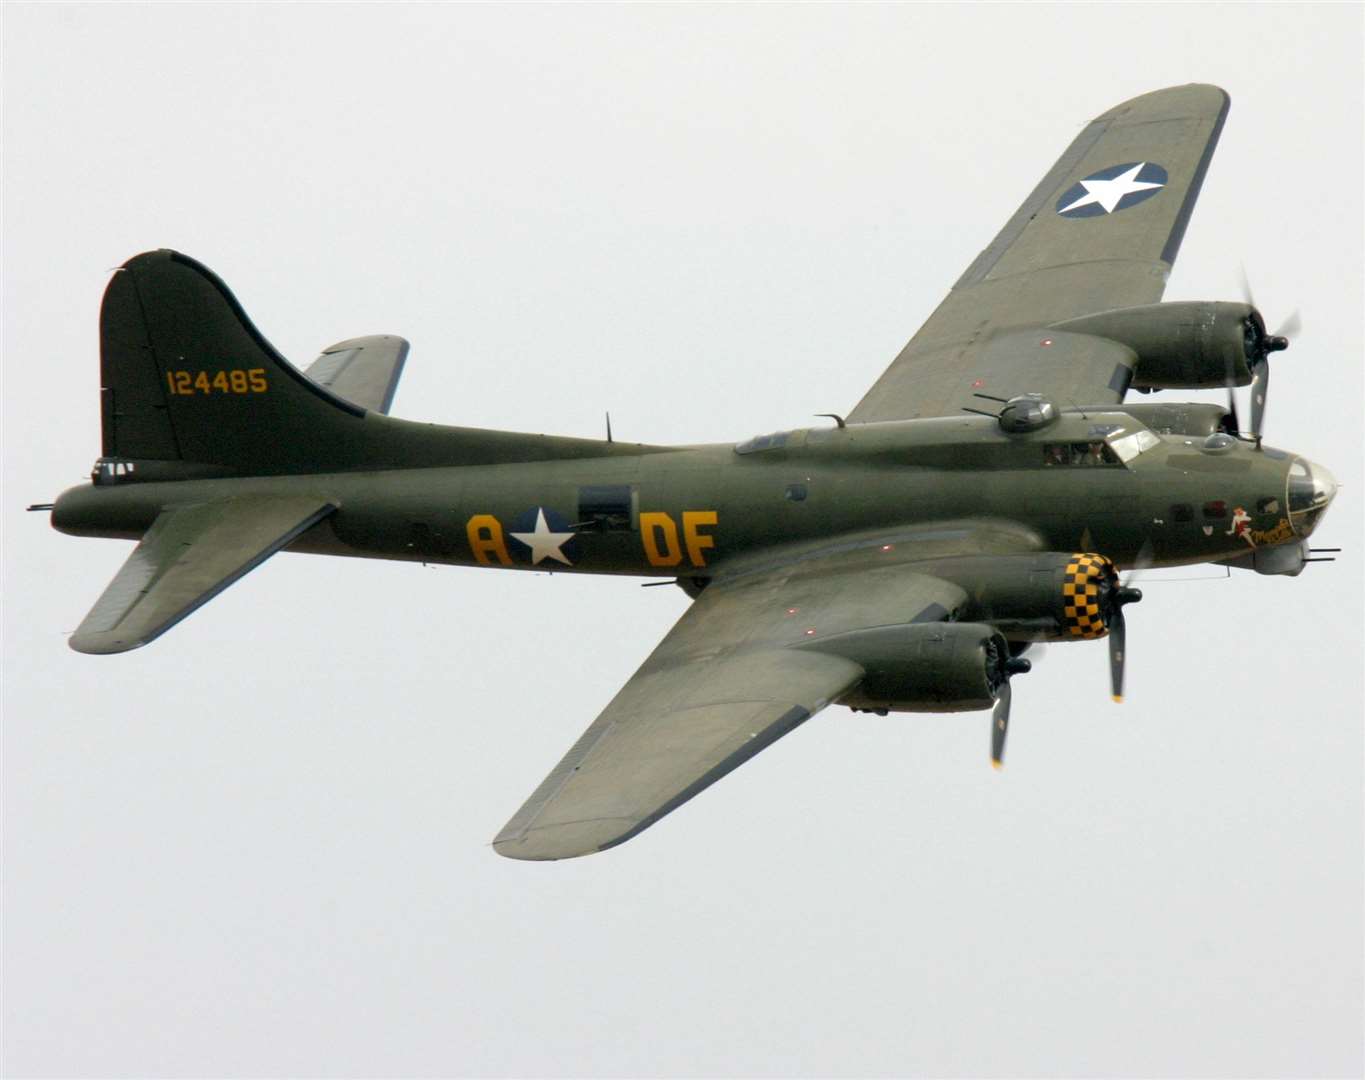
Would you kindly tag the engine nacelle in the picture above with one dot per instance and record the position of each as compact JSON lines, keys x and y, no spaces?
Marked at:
{"x":1044,"y":596}
{"x":925,"y":667}
{"x":1193,"y":344}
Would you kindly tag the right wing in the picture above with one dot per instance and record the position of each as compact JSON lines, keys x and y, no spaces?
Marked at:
{"x":1100,"y":231}
{"x":188,"y":556}
{"x":363,"y":370}
{"x":731,"y":678}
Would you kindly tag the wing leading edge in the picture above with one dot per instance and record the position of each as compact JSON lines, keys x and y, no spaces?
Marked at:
{"x":1100,"y":231}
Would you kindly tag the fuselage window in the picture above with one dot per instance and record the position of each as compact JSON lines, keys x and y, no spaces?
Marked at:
{"x":606,"y":508}
{"x":110,"y":470}
{"x":1086,"y":453}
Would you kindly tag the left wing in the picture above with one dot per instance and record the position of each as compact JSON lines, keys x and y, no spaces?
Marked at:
{"x":734,"y":675}
{"x":364,"y":370}
{"x":1100,"y":231}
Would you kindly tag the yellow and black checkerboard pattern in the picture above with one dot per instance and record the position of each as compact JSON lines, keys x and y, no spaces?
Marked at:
{"x":1085,"y":576}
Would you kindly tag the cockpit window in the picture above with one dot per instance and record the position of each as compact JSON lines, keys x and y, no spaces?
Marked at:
{"x":1079,"y":453}
{"x":1130,"y":446}
{"x":775,"y":441}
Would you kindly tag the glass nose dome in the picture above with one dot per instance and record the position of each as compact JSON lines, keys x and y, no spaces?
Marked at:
{"x":1310,"y":490}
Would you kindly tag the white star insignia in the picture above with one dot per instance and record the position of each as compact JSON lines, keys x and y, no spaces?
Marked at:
{"x":1108,"y":193}
{"x":543,"y":543}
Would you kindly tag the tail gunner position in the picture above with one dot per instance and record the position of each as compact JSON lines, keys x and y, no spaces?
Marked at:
{"x":982,"y":496}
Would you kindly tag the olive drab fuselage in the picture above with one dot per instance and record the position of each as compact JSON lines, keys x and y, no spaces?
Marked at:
{"x":691,"y":511}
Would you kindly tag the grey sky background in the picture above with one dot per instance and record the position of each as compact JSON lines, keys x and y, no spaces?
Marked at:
{"x":260,"y":846}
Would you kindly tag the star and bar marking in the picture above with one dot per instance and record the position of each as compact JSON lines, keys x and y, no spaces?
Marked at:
{"x":1111,"y":189}
{"x":544,"y":542}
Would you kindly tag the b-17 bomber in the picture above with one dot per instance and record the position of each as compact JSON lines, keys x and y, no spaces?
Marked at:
{"x":984,"y":495}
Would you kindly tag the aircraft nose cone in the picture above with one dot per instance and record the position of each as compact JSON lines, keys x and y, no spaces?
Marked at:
{"x":1311,"y":489}
{"x":1326,"y":482}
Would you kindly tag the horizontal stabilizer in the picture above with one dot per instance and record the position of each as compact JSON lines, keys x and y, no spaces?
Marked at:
{"x":363,"y":370}
{"x":188,"y":556}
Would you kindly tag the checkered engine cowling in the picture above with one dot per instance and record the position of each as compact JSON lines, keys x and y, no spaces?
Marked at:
{"x":1086,"y":581}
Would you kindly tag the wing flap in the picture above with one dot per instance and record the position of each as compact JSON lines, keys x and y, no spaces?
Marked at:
{"x":188,"y":556}
{"x":364,"y":370}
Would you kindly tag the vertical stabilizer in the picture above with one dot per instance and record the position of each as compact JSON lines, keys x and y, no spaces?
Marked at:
{"x":186,"y":377}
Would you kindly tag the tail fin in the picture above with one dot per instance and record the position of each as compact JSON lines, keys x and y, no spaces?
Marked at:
{"x":190,"y":388}
{"x":186,"y":377}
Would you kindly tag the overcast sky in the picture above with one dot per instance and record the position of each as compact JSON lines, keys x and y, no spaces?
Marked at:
{"x":260,"y":846}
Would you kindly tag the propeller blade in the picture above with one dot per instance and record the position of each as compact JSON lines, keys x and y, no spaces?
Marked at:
{"x":1142,"y":561}
{"x":1292,"y":327}
{"x":1118,"y":635}
{"x":1000,"y":725}
{"x":1260,"y":388}
{"x":1231,"y":424}
{"x":1245,"y":283}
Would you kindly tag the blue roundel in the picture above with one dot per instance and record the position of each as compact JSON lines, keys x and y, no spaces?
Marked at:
{"x":1114,"y":188}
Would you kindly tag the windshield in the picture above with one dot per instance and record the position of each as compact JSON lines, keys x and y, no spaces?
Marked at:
{"x":775,"y":441}
{"x":1131,"y":445}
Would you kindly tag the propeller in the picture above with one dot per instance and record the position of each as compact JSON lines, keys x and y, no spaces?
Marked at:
{"x":1118,"y":635}
{"x":1000,"y":716}
{"x":1115,"y":594}
{"x":1000,"y":725}
{"x":1119,"y":594}
{"x":1258,"y":346}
